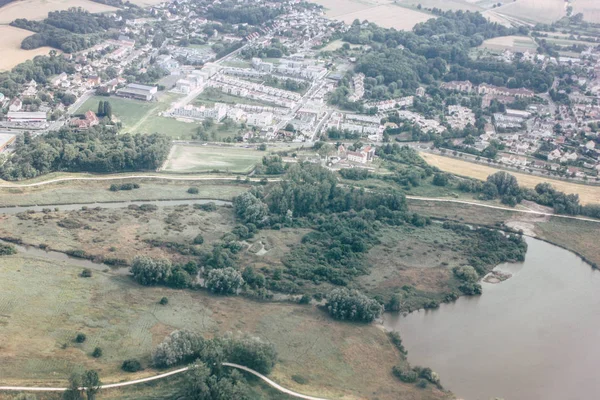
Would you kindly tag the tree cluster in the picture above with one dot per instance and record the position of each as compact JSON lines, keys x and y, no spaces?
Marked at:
{"x":352,"y":305}
{"x":98,"y":149}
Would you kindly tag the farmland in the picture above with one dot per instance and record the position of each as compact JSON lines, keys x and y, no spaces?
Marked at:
{"x":42,"y":312}
{"x":11,"y":53}
{"x":189,"y":159}
{"x":39,"y":9}
{"x":587,"y":193}
{"x":533,"y":11}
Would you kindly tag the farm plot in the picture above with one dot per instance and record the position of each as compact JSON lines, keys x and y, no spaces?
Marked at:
{"x":533,"y":11}
{"x":11,"y":53}
{"x":191,"y":159}
{"x":388,"y":16}
{"x":587,"y":193}
{"x":39,"y":9}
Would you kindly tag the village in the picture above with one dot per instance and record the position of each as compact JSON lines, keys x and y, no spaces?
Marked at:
{"x":273,"y":84}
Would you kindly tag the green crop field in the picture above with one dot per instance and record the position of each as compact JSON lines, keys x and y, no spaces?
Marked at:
{"x":188,"y":159}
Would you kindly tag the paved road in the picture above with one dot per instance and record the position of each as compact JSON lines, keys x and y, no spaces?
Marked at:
{"x":161,"y":376}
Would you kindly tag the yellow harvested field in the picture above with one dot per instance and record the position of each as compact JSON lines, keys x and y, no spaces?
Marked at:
{"x":335,"y":8}
{"x":443,"y":4}
{"x":11,"y":53}
{"x":39,"y":9}
{"x":589,"y":8}
{"x":388,"y":16}
{"x":535,"y":10}
{"x":514,"y":43}
{"x":588,"y":194}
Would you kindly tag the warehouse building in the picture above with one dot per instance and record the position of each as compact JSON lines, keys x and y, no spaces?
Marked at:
{"x":26,"y":116}
{"x":139,"y":92}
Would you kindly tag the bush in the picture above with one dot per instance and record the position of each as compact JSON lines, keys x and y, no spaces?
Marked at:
{"x":193,"y":190}
{"x":80,"y":338}
{"x":199,"y":239}
{"x":440,"y":179}
{"x":86,"y":273}
{"x":305,"y":299}
{"x":422,"y":384}
{"x":164,"y":301}
{"x":299,"y":379}
{"x":179,"y":347}
{"x":131,"y":365}
{"x":7,"y":249}
{"x":352,"y":305}
{"x":97,"y":353}
{"x":253,"y":353}
{"x":405,"y":375}
{"x":224,"y":281}
{"x":206,"y":207}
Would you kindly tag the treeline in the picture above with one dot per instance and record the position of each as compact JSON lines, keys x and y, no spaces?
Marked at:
{"x":231,"y":13}
{"x":98,"y":149}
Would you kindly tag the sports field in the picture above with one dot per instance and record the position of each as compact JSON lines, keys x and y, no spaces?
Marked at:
{"x":188,"y":159}
{"x":512,"y":43}
{"x":588,"y":194}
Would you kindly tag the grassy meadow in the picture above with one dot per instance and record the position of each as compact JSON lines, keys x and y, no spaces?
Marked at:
{"x":193,"y":159}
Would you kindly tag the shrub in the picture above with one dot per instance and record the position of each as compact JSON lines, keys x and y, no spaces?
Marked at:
{"x":164,"y":301}
{"x":305,"y":299}
{"x":7,"y":249}
{"x":80,"y":338}
{"x":193,"y":190}
{"x":299,"y":379}
{"x":131,"y":365}
{"x":206,"y":207}
{"x":422,"y":384}
{"x":253,"y":353}
{"x":179,"y":347}
{"x":224,"y":281}
{"x":86,"y":273}
{"x":440,"y":179}
{"x":97,"y":353}
{"x":199,"y":239}
{"x":404,"y":374}
{"x":352,"y":305}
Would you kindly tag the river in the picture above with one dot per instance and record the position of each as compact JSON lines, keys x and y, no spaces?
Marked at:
{"x":533,"y":336}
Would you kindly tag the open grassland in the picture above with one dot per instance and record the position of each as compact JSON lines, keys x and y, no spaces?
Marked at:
{"x":39,"y":9}
{"x":143,"y":116}
{"x":588,"y":194}
{"x":45,"y":304}
{"x":97,"y":191}
{"x":336,"y":8}
{"x":118,"y":233}
{"x":11,"y":53}
{"x":191,"y":159}
{"x":512,"y":43}
{"x":578,"y":236}
{"x":533,"y":11}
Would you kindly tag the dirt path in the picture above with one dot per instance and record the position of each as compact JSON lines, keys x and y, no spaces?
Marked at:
{"x":161,"y":376}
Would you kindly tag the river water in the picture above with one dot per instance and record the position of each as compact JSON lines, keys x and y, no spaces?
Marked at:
{"x":533,"y":336}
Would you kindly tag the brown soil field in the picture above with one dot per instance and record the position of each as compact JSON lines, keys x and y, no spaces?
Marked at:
{"x":588,"y":194}
{"x":39,"y":9}
{"x":545,"y":11}
{"x":11,"y":53}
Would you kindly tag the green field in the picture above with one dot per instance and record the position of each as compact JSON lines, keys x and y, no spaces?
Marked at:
{"x":210,"y":97}
{"x":143,"y":117}
{"x":190,"y":159}
{"x":45,"y":304}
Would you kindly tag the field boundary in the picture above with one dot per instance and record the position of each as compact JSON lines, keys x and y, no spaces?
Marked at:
{"x":161,"y":376}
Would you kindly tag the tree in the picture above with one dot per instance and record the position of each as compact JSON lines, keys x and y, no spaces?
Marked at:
{"x":505,"y":183}
{"x":164,"y":301}
{"x":149,"y":271}
{"x":440,"y":179}
{"x":352,"y":305}
{"x":224,"y":281}
{"x":80,"y":338}
{"x":253,"y":353}
{"x":250,"y":208}
{"x":193,"y":190}
{"x":199,"y":239}
{"x":179,"y":347}
{"x":107,"y":110}
{"x":74,"y":391}
{"x":91,"y":382}
{"x":97,"y":353}
{"x":100,"y":108}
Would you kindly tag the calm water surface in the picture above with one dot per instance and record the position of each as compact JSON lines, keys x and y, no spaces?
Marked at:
{"x":534,"y":336}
